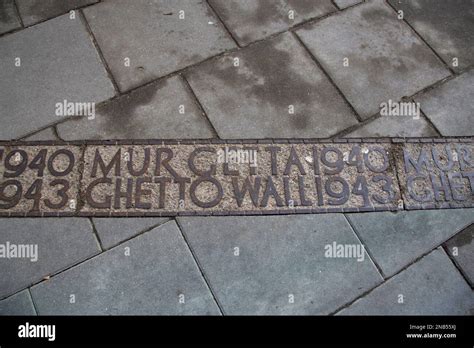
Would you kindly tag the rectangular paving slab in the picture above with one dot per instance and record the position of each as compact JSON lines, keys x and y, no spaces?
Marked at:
{"x":8,"y":16}
{"x":34,"y":11}
{"x":163,"y":109}
{"x":461,"y":249}
{"x":431,"y":286}
{"x":32,"y":249}
{"x":447,"y":26}
{"x":254,"y":20}
{"x":280,"y":265}
{"x":151,"y":274}
{"x":449,"y":106}
{"x":156,"y":38}
{"x":272,"y":89}
{"x":395,"y":240}
{"x":43,"y":66}
{"x":372,"y":56}
{"x":18,"y":304}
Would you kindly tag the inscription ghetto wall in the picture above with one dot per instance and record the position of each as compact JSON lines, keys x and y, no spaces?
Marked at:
{"x":171,"y":178}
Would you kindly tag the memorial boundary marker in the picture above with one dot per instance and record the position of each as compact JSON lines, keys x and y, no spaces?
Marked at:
{"x":234,"y":177}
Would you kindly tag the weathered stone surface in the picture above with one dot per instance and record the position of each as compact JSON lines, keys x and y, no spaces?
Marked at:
{"x":346,"y":3}
{"x":150,"y":280}
{"x":38,"y":179}
{"x":449,"y":106}
{"x":152,"y":111}
{"x":280,"y":258}
{"x":387,"y":61}
{"x":436,"y":175}
{"x":254,"y":20}
{"x":392,"y":126}
{"x":34,"y":11}
{"x":8,"y":16}
{"x":447,"y":26}
{"x":396,"y":239}
{"x":431,"y":286}
{"x":154,"y":38}
{"x":254,"y":99}
{"x":461,"y":249}
{"x":131,"y":179}
{"x":47,"y":52}
{"x":113,"y":231}
{"x":61,"y":243}
{"x":18,"y":304}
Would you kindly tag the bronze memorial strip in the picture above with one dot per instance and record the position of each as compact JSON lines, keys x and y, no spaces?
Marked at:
{"x":234,"y":177}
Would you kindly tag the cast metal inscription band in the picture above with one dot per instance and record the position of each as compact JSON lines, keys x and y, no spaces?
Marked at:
{"x":216,"y":177}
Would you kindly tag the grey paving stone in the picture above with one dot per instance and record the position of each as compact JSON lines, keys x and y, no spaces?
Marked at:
{"x":396,"y":239}
{"x":431,"y":286}
{"x":253,"y":100}
{"x":387,"y":61}
{"x":112,"y":231}
{"x":45,"y":134}
{"x":153,"y":37}
{"x":8,"y":16}
{"x":346,"y":3}
{"x":279,"y":256}
{"x":58,"y":62}
{"x":61,"y":242}
{"x":250,"y":20}
{"x":150,"y":281}
{"x":449,"y":106}
{"x":461,"y":249}
{"x":149,"y":112}
{"x":447,"y":26}
{"x":34,"y":11}
{"x":18,"y":304}
{"x":393,"y":126}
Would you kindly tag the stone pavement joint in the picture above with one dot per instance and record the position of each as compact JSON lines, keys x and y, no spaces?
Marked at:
{"x":112,"y":232}
{"x":287,"y":272}
{"x":36,"y":11}
{"x":431,"y":286}
{"x":45,"y":78}
{"x":385,"y":60}
{"x":461,"y":250}
{"x":60,"y":243}
{"x":445,"y":26}
{"x":216,"y":300}
{"x":406,"y":234}
{"x":100,"y":53}
{"x":9,"y":19}
{"x":18,"y":304}
{"x":110,"y":283}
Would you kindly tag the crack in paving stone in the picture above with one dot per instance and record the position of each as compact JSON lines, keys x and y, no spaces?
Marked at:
{"x":234,"y":177}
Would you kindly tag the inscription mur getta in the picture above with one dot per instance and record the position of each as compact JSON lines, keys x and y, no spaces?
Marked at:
{"x":169,"y":179}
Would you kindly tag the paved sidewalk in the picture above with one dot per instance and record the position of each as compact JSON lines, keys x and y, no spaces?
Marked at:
{"x":237,"y":69}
